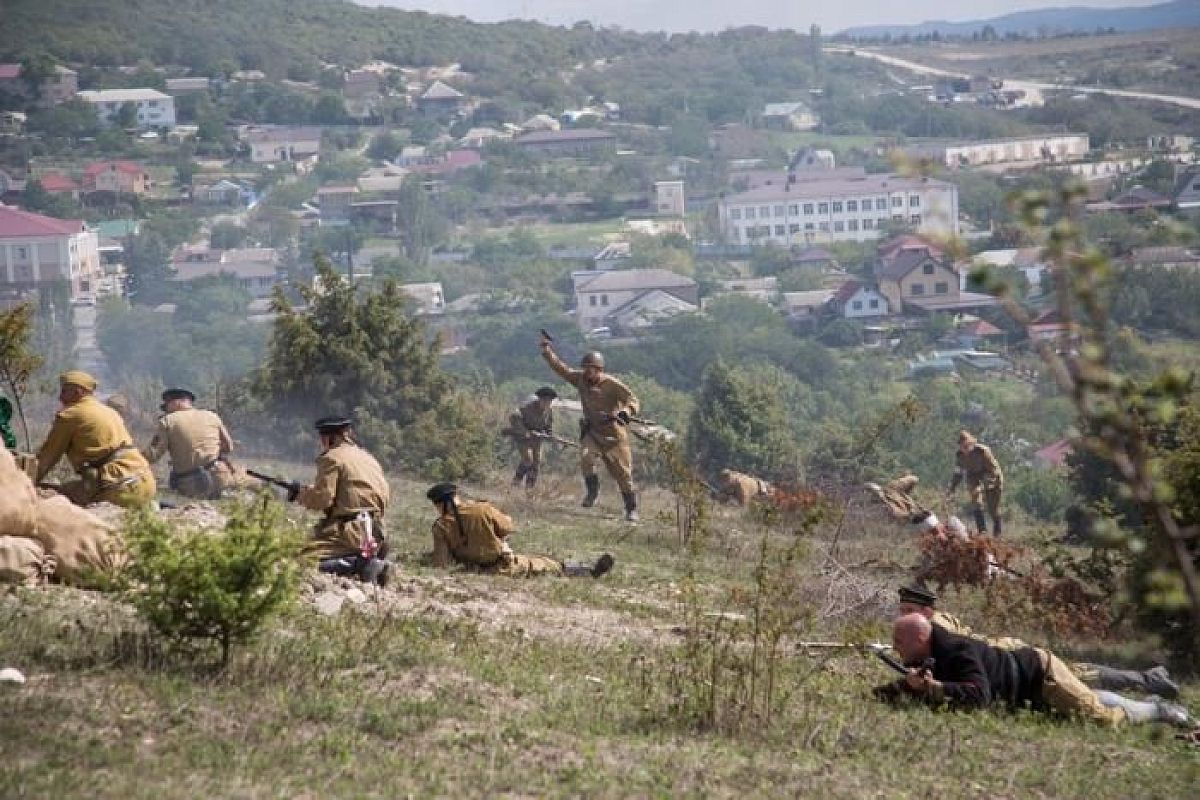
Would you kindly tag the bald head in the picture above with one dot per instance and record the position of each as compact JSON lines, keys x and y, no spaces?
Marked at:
{"x":911,"y":636}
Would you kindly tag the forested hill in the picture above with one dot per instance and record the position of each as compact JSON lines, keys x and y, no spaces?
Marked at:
{"x":523,"y":65}
{"x":285,"y":38}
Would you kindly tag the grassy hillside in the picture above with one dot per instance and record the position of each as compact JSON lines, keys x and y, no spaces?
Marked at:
{"x":469,"y":686}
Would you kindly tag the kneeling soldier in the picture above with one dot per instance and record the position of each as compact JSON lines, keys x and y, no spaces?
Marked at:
{"x":350,"y":488}
{"x":198,"y":444}
{"x":475,"y":534}
{"x":95,"y":440}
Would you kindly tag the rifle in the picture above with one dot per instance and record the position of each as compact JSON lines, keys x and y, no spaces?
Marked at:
{"x":629,"y":418}
{"x":879,"y":649}
{"x":550,"y":437}
{"x":293,"y":487}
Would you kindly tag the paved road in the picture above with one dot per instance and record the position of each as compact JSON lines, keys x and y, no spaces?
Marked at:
{"x":1029,"y":87}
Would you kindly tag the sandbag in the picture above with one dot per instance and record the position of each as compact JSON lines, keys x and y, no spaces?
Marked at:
{"x":83,"y":545}
{"x":18,"y":500}
{"x":23,"y":560}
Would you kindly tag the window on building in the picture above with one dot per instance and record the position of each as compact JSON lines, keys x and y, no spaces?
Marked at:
{"x":916,"y":219}
{"x":603,"y":299}
{"x":839,"y":226}
{"x":897,"y":202}
{"x":881,"y":204}
{"x":927,"y":269}
{"x":868,"y":224}
{"x":780,"y":211}
{"x":764,"y":212}
{"x":914,"y":201}
{"x":941,"y":288}
{"x":749,"y":213}
{"x":794,"y":210}
{"x":822,"y":208}
{"x":824,"y":226}
{"x":808,"y":226}
{"x":22,"y":253}
{"x":808,"y":207}
{"x":794,"y":228}
{"x":852,"y":205}
{"x":837,"y":206}
{"x":917,"y":288}
{"x":735,"y":213}
{"x":852,"y":225}
{"x":897,"y":218}
{"x":856,"y":305}
{"x":874,"y":304}
{"x":780,"y":230}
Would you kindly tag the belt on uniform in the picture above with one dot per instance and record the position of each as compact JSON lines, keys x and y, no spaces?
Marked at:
{"x":178,"y":476}
{"x":107,"y":459}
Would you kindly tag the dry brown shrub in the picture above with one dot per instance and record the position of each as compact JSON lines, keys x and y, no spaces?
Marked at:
{"x":951,"y":561}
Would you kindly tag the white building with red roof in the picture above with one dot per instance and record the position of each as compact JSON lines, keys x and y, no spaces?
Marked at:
{"x":36,"y":250}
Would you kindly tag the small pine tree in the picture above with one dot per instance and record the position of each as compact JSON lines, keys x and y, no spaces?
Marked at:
{"x":739,"y":423}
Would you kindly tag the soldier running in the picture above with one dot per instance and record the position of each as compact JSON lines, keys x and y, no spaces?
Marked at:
{"x":985,"y":482}
{"x":475,"y":534}
{"x":96,"y":442}
{"x":534,"y":416}
{"x":608,"y":404}
{"x":199,"y":446}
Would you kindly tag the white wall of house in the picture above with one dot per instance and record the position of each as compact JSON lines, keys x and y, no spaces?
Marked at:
{"x":1064,"y":147}
{"x":154,"y":109}
{"x":866,"y":302}
{"x":843,"y":216}
{"x":29,"y":260}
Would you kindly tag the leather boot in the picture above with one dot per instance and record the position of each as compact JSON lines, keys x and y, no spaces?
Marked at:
{"x":980,"y":521}
{"x":592,"y":484}
{"x":631,"y":513}
{"x":343,"y":566}
{"x":531,"y":476}
{"x":579,"y":569}
{"x":375,"y":571}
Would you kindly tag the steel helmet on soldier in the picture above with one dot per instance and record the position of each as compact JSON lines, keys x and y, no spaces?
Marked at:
{"x":592,"y":359}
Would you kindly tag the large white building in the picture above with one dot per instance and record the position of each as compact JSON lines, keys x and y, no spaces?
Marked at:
{"x":854,"y":208}
{"x":154,"y":109}
{"x":36,"y":250}
{"x":1054,"y":148}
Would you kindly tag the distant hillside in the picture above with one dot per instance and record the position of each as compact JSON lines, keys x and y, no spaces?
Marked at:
{"x":1176,"y":14}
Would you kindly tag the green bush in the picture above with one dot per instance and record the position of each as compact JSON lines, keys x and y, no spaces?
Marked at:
{"x":199,"y":587}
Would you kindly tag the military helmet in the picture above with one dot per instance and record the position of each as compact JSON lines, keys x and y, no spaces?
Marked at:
{"x":546,"y":393}
{"x":592,"y":359}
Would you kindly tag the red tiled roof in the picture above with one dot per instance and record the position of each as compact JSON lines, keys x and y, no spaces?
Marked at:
{"x":845,"y":292}
{"x":1055,"y":453}
{"x":10,"y":72}
{"x":908,"y":242}
{"x":981,"y":327}
{"x":15,"y":222}
{"x":128,"y":167}
{"x":54,"y":182}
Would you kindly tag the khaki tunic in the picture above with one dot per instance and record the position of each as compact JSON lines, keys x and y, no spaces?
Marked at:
{"x":349,"y":481}
{"x":605,"y":441}
{"x":481,"y":543}
{"x":742,"y":488}
{"x":87,"y":432}
{"x":197,"y":441}
{"x":530,"y":417}
{"x":981,"y":472}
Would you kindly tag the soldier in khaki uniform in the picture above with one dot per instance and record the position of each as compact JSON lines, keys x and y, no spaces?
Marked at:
{"x":535,"y":415}
{"x":1156,"y":680}
{"x":199,"y":445}
{"x":985,"y":481}
{"x":608,"y":405}
{"x":740,"y":488}
{"x":352,"y":492}
{"x":95,"y":441}
{"x":475,"y":535}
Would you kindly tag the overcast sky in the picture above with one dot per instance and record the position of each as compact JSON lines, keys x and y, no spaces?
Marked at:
{"x":708,"y":15}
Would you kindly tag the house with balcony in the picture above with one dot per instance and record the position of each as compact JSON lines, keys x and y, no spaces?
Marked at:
{"x":37,"y":251}
{"x":151,"y":108}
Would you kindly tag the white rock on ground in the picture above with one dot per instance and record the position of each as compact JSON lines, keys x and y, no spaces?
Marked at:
{"x":10,"y":675}
{"x":328,"y":603}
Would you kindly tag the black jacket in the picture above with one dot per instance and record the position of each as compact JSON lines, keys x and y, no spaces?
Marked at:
{"x":974,"y":674}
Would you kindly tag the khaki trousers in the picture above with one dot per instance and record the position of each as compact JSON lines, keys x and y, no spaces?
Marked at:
{"x":617,"y":458}
{"x":1066,"y":694}
{"x":517,"y":566}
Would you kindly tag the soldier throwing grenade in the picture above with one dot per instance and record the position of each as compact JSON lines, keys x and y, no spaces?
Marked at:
{"x":608,"y":406}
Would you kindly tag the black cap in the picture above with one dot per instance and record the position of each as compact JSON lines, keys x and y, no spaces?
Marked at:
{"x":917,"y":596}
{"x":178,"y":394}
{"x":333,"y":424}
{"x":440,"y":493}
{"x":546,"y":392}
